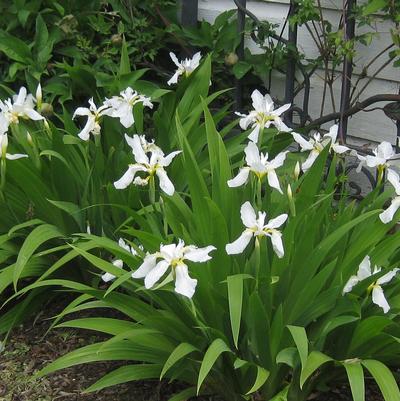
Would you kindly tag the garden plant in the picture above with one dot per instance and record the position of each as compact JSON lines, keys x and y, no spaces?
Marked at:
{"x":261,"y":275}
{"x":228,"y":244}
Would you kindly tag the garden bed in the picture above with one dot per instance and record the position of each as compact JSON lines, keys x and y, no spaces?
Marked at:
{"x":30,"y":349}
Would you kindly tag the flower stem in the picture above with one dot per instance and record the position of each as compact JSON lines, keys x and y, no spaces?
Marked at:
{"x":261,"y":137}
{"x":2,"y":174}
{"x":152,"y":191}
{"x":164,"y":217}
{"x":381,"y":172}
{"x":97,"y":140}
{"x":292,"y":205}
{"x":259,"y":194}
{"x":257,"y":261}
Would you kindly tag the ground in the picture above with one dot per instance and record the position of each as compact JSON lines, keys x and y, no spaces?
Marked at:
{"x":29,"y":349}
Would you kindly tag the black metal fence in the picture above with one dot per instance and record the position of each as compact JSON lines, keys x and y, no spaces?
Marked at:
{"x":189,"y":16}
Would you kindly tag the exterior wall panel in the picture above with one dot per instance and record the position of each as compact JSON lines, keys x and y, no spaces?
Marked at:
{"x":370,"y":126}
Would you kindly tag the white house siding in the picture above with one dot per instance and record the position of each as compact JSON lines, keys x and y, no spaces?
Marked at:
{"x":369,"y":126}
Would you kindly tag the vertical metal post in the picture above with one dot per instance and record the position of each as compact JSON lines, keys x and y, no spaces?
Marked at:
{"x":349,"y":29}
{"x":240,"y":52}
{"x":189,"y":12}
{"x":291,"y":62}
{"x":398,"y":134}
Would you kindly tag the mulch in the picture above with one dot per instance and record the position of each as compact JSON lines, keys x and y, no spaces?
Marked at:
{"x":29,"y":349}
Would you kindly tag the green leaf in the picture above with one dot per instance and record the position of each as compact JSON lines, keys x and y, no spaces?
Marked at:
{"x":177,"y":354}
{"x":52,"y":153}
{"x":220,"y":165}
{"x":314,"y":361}
{"x":102,"y":324}
{"x":130,"y":79}
{"x":15,"y":48}
{"x":355,"y":375}
{"x":287,"y":356}
{"x":199,"y":86}
{"x":367,"y":330}
{"x":282,"y":395}
{"x":25,"y":224}
{"x":82,"y":79}
{"x":197,"y":186}
{"x":373,"y":6}
{"x":41,"y":34}
{"x":262,"y":376}
{"x":125,"y":65}
{"x":241,"y":68}
{"x":37,"y":237}
{"x":184,"y":395}
{"x":235,"y":298}
{"x":384,"y":378}
{"x":300,"y":338}
{"x":71,"y":140}
{"x":93,"y":353}
{"x":125,"y":374}
{"x":72,"y":209}
{"x":102,"y":264}
{"x":216,"y":348}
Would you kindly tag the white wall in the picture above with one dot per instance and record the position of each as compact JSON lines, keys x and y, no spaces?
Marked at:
{"x":371,"y":126}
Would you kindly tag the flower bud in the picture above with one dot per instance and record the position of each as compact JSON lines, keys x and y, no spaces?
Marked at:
{"x":47,"y":126}
{"x":68,"y":24}
{"x":29,"y":138}
{"x":39,"y":96}
{"x":46,"y":110}
{"x":231,"y":59}
{"x":292,"y":205}
{"x":289,"y":192}
{"x":116,"y":39}
{"x":296,"y":171}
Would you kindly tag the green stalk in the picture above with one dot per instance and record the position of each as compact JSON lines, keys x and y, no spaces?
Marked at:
{"x":152,"y":191}
{"x":2,"y":174}
{"x":162,"y":210}
{"x":292,"y":205}
{"x":257,"y":261}
{"x":97,"y":140}
{"x":36,"y":154}
{"x":381,"y":171}
{"x":259,"y":194}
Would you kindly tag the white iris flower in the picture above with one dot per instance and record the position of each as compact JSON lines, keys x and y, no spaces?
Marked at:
{"x":383,"y":157}
{"x":256,"y":227}
{"x":387,"y":215}
{"x":122,"y":106}
{"x":258,"y":164}
{"x":3,"y":149}
{"x":364,"y":271}
{"x":106,"y":277}
{"x":316,"y":145}
{"x":185,"y":67}
{"x":21,"y":106}
{"x":151,"y":164}
{"x":93,"y":115}
{"x":155,"y":265}
{"x":263,"y":116}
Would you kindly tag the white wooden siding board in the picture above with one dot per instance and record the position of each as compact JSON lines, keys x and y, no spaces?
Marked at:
{"x":372,"y":126}
{"x":276,"y":12}
{"x":226,"y":4}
